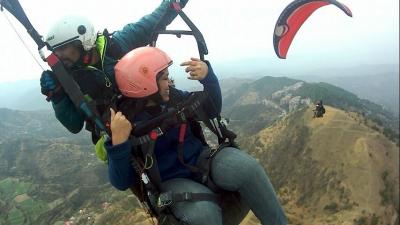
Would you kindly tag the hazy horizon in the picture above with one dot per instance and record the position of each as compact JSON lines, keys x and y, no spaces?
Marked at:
{"x":233,"y":31}
{"x":380,"y":84}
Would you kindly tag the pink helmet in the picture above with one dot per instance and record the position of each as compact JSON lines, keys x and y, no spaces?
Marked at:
{"x":136,"y":72}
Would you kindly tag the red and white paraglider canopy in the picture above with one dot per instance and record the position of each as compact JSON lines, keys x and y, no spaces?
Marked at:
{"x":291,"y":19}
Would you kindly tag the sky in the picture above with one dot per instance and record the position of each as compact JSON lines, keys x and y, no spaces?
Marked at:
{"x":235,"y":31}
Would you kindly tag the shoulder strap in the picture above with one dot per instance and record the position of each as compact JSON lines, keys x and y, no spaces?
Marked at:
{"x":215,"y":125}
{"x":113,"y":49}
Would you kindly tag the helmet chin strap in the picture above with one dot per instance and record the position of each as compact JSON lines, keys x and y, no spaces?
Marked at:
{"x":85,"y":58}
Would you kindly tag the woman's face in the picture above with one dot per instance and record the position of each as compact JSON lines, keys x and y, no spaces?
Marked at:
{"x":163,"y":85}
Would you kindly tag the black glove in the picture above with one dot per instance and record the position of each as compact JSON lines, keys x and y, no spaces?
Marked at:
{"x":51,"y":87}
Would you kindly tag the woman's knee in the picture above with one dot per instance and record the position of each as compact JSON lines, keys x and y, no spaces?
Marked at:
{"x":193,"y":212}
{"x":234,"y":163}
{"x":198,"y":213}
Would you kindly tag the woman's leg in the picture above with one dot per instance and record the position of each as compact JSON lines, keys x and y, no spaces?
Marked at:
{"x":235,"y":170}
{"x":193,"y":212}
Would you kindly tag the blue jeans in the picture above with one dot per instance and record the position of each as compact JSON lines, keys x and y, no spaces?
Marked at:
{"x":231,"y":170}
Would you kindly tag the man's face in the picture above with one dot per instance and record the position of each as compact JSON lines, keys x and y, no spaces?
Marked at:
{"x":163,"y":85}
{"x":69,"y":54}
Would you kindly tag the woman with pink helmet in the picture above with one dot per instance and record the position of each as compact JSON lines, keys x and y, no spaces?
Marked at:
{"x":143,"y":77}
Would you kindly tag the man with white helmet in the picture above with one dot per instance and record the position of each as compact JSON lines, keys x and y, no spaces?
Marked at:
{"x":71,"y":36}
{"x":90,"y":58}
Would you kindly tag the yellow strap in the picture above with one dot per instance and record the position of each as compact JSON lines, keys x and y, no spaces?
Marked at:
{"x":101,"y":151}
{"x":101,"y":45}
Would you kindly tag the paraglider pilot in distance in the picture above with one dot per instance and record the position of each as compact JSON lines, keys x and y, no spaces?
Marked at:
{"x":142,"y":76}
{"x":319,"y":110}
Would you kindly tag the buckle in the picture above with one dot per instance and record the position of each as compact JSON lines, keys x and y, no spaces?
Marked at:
{"x":213,"y":151}
{"x":158,"y":131}
{"x":164,"y":199}
{"x":181,"y":116}
{"x":155,"y":133}
{"x":187,"y":196}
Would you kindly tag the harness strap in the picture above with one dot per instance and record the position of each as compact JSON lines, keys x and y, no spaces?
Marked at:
{"x":212,"y":126}
{"x":204,"y":165}
{"x":168,"y":198}
{"x":218,"y":128}
{"x":137,"y":141}
{"x":113,"y":49}
{"x":150,"y":163}
{"x":150,"y":191}
{"x":182,"y":132}
{"x":182,"y":112}
{"x":176,"y":6}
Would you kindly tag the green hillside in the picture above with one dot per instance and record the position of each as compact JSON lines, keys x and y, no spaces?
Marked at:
{"x":265,"y":86}
{"x":270,"y":98}
{"x":330,"y":170}
{"x":49,"y":175}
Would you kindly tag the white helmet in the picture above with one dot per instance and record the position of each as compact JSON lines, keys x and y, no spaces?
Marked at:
{"x":71,"y":28}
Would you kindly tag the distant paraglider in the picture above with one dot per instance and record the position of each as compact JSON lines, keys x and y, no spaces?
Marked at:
{"x":319,"y":110}
{"x":291,"y":19}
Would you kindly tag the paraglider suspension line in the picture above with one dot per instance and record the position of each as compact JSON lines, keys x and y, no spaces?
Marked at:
{"x":22,"y":40}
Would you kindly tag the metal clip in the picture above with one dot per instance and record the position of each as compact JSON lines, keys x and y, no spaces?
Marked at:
{"x":145,"y":178}
{"x":181,"y":116}
{"x":158,"y":131}
{"x":108,"y":82}
{"x":164,"y":199}
{"x":148,"y":163}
